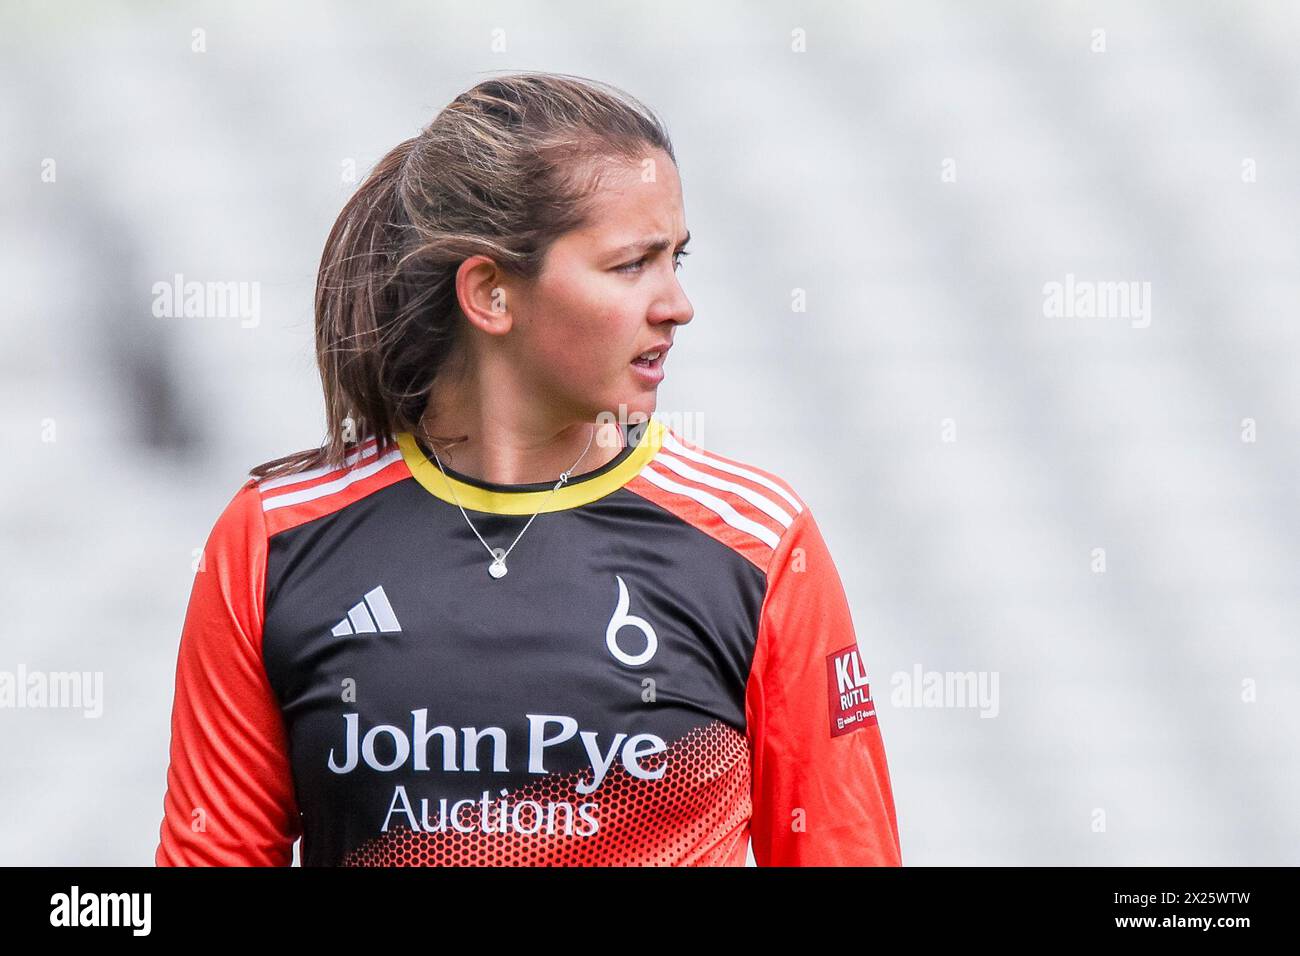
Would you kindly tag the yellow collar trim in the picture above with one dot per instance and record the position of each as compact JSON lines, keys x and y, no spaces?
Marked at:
{"x":474,"y":498}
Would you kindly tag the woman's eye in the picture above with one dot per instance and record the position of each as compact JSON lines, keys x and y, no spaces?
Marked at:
{"x":636,"y":266}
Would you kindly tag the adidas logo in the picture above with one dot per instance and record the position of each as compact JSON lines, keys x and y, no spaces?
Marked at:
{"x":371,"y":614}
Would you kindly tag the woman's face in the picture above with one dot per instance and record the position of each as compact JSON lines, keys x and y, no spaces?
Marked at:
{"x":606,"y":294}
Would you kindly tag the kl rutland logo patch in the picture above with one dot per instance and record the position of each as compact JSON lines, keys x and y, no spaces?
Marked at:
{"x":848,"y":693}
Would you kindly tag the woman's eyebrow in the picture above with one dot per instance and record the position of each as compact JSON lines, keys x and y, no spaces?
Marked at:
{"x":655,"y":244}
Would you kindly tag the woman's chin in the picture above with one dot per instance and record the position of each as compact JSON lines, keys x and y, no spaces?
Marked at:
{"x":630,"y":407}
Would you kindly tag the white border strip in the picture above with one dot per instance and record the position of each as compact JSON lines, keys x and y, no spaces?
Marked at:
{"x":715,"y":504}
{"x":673,"y":445}
{"x":331,"y":487}
{"x":757,"y":499}
{"x":366,"y":451}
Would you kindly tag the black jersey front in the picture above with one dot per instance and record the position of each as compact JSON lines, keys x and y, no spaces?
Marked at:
{"x":638,"y":688}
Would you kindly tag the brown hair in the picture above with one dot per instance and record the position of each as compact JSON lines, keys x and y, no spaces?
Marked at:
{"x":503,"y":171}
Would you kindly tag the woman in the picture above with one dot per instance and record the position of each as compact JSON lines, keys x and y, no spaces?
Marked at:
{"x":503,"y":615}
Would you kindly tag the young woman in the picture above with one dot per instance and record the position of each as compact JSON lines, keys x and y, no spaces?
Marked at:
{"x":504,"y":615}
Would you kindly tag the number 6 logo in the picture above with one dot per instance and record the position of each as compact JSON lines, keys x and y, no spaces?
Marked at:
{"x":622,"y":619}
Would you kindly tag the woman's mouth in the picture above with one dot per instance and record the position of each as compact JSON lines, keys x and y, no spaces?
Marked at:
{"x":649,"y":358}
{"x":650,"y":365}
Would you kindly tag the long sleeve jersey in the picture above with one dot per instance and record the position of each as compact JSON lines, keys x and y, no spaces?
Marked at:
{"x":667,"y":671}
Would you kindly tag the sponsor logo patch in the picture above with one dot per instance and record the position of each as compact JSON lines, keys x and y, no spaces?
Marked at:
{"x":849,"y":695}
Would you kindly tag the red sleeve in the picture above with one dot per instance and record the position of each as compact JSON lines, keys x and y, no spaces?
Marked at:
{"x":821,"y":790}
{"x":230,"y":797}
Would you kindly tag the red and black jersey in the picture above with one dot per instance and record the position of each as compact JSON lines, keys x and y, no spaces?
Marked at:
{"x":667,"y":671}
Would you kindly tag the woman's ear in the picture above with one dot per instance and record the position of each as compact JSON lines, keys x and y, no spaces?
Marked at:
{"x":484,"y":294}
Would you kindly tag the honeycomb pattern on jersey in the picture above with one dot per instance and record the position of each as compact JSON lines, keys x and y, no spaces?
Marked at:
{"x":694,"y":815}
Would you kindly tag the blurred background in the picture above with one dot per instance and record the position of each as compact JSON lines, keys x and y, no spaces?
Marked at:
{"x":1090,"y":513}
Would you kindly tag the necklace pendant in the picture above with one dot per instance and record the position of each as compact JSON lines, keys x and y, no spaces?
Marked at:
{"x":498,"y":567}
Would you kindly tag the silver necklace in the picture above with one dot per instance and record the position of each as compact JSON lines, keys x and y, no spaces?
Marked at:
{"x":498,"y":566}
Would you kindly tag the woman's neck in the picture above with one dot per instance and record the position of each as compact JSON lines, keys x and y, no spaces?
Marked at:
{"x":485,"y":426}
{"x":507,"y":451}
